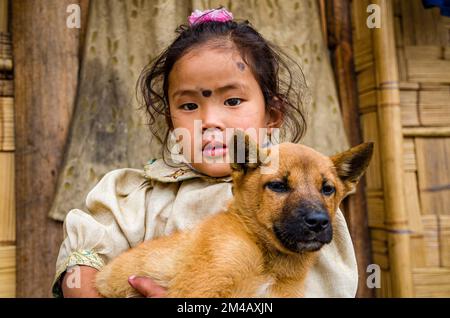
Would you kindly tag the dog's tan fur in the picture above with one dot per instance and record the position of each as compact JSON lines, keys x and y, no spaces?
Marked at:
{"x":235,"y":253}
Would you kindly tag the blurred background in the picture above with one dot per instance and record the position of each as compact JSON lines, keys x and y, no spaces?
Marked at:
{"x":376,"y":70}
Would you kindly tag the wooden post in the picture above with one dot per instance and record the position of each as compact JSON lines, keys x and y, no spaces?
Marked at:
{"x":338,"y":14}
{"x":391,"y":151}
{"x":46,"y":62}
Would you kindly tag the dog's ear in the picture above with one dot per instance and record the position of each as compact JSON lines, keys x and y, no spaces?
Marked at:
{"x":351,"y":164}
{"x":245,"y":154}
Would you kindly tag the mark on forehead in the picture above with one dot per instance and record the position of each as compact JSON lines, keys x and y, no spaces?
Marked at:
{"x":241,"y":66}
{"x":206,"y":93}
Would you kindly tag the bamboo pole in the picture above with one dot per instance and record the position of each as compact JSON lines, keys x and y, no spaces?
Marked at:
{"x":426,"y":132}
{"x":391,"y":152}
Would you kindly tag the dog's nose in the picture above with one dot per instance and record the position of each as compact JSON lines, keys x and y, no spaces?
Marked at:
{"x":317,"y":221}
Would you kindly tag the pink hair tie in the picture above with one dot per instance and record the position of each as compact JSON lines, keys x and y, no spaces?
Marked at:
{"x":219,"y":15}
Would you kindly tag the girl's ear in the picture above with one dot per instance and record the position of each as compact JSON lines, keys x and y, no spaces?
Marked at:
{"x":275,"y":116}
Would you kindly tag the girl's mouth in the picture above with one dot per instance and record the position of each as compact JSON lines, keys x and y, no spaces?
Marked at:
{"x":214,"y":150}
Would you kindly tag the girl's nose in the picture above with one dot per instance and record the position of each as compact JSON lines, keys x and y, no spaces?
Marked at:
{"x":212,"y":118}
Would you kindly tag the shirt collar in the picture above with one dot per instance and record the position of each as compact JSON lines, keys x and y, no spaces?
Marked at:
{"x":159,"y":170}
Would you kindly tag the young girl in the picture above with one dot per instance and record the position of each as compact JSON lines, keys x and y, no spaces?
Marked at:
{"x":224,"y":74}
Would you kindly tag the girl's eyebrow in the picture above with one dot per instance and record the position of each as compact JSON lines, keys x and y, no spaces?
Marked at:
{"x":193,"y":92}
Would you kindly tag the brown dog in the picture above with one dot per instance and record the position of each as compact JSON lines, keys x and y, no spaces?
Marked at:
{"x":265,"y":241}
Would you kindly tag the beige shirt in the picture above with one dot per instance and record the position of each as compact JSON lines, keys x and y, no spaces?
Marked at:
{"x":129,"y":206}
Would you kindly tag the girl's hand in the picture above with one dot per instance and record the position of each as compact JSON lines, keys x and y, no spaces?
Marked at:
{"x":86,"y":288}
{"x":147,"y":287}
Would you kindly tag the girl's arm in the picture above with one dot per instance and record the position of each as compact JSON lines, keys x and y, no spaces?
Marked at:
{"x":86,"y":287}
{"x":113,"y":222}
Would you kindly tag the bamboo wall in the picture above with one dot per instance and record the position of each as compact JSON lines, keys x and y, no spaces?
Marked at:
{"x":7,"y":202}
{"x":403,"y":72}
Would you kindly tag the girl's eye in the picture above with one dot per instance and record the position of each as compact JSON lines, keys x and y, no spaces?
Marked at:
{"x":233,"y":101}
{"x":189,"y":106}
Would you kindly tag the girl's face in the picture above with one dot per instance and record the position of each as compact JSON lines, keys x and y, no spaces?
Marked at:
{"x":218,"y":90}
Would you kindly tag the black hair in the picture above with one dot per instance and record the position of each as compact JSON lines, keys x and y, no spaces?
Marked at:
{"x":282,"y":88}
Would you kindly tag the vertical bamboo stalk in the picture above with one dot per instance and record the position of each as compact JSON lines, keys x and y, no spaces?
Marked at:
{"x":391,"y":145}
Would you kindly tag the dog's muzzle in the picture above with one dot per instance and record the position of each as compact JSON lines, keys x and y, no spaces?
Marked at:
{"x":305,"y":229}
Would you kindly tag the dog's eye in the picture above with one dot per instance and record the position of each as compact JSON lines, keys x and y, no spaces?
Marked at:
{"x":328,"y":189}
{"x":277,"y":186}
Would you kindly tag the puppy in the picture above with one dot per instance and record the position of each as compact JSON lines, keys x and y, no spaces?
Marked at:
{"x":264,"y":242}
